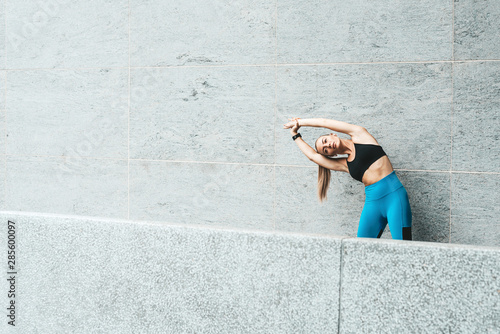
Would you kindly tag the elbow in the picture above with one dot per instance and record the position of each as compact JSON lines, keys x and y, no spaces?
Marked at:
{"x":361,"y":129}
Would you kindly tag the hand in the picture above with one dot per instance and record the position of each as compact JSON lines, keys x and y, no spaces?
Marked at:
{"x":292,"y":123}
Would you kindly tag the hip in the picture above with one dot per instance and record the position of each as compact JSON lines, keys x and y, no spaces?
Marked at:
{"x":383,"y":187}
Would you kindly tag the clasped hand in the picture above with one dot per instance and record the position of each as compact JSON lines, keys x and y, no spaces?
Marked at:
{"x":293,"y":125}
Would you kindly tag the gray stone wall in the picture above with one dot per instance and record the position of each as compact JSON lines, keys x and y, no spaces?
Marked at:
{"x":156,"y":110}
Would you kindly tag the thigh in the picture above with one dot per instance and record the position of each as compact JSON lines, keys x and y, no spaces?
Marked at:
{"x":399,"y":215}
{"x":371,"y":222}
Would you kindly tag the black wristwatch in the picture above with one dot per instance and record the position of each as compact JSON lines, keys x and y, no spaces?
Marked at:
{"x":296,"y":136}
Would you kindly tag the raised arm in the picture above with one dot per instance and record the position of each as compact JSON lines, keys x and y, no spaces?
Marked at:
{"x":332,"y":124}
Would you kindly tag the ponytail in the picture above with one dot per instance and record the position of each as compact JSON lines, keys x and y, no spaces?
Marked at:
{"x":323,"y":182}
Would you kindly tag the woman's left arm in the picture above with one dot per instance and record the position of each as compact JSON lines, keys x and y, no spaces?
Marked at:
{"x":331,"y":124}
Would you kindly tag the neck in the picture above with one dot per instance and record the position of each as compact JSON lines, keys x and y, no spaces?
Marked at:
{"x":346,"y":146}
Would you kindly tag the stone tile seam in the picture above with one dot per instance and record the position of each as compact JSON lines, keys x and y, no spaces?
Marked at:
{"x":128,"y":118}
{"x":275,"y":107}
{"x":4,"y":169}
{"x":452,"y":112}
{"x":5,"y":112}
{"x":4,"y":5}
{"x":4,"y":172}
{"x":276,"y":32}
{"x":244,"y":164}
{"x":452,"y":30}
{"x":252,"y":65}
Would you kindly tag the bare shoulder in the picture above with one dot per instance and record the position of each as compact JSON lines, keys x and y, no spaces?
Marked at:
{"x":362,"y":136}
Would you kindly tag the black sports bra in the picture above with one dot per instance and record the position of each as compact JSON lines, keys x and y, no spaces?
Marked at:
{"x":366,"y":155}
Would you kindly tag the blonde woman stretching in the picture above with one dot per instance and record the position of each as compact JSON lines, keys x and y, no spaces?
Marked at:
{"x":386,"y":199}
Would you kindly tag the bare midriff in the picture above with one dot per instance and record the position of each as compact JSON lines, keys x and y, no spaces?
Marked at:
{"x":377,"y":171}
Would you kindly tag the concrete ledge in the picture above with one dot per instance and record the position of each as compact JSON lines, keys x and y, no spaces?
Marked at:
{"x":90,"y":275}
{"x":415,"y":287}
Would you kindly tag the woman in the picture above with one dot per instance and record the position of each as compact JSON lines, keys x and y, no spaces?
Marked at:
{"x":386,"y":199}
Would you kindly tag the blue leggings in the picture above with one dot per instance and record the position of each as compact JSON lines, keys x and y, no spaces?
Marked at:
{"x":386,"y":202}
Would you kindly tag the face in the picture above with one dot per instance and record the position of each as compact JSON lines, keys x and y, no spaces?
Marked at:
{"x":328,"y":145}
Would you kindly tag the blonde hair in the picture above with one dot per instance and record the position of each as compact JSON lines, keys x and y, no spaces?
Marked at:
{"x":324,"y":175}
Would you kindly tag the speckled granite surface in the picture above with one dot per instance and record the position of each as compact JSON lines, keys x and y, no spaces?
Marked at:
{"x":415,"y":287}
{"x":78,"y":275}
{"x":87,"y":275}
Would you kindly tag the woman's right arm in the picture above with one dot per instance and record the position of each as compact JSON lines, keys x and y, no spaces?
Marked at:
{"x":333,"y":164}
